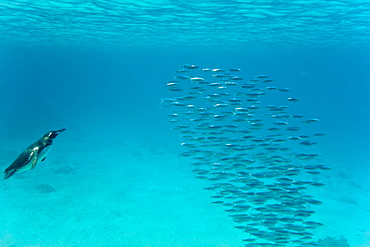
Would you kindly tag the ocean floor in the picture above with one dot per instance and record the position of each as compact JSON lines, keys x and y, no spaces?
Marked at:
{"x":140,"y":192}
{"x":346,"y":208}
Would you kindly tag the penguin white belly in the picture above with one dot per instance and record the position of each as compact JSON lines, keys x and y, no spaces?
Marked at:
{"x":44,"y":152}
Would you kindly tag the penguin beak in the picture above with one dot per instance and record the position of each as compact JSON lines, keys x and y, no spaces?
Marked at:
{"x":59,"y":131}
{"x":55,"y":133}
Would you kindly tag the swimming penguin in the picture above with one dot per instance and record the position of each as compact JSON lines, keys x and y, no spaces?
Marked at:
{"x":33,"y":155}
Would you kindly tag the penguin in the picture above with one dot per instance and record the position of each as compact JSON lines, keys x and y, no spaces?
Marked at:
{"x":32,"y":155}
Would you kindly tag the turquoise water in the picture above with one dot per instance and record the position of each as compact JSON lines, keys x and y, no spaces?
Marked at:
{"x":115,"y":177}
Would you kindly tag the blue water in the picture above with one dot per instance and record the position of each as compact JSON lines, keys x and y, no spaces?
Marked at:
{"x":115,"y":176}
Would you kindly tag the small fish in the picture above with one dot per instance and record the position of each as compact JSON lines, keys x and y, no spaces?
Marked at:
{"x":197,"y":79}
{"x":293,"y":99}
{"x":190,"y":66}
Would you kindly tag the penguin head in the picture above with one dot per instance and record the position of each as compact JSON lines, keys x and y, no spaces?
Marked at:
{"x":54,"y":133}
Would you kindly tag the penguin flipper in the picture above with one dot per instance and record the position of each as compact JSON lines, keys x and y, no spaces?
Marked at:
{"x":34,"y":157}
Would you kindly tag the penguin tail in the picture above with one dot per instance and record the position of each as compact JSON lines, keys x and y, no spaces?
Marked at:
{"x":10,"y":173}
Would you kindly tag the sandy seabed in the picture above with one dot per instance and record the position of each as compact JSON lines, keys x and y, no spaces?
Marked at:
{"x":141,"y":194}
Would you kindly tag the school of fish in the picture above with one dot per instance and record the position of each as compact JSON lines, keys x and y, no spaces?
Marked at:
{"x":253,"y":151}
